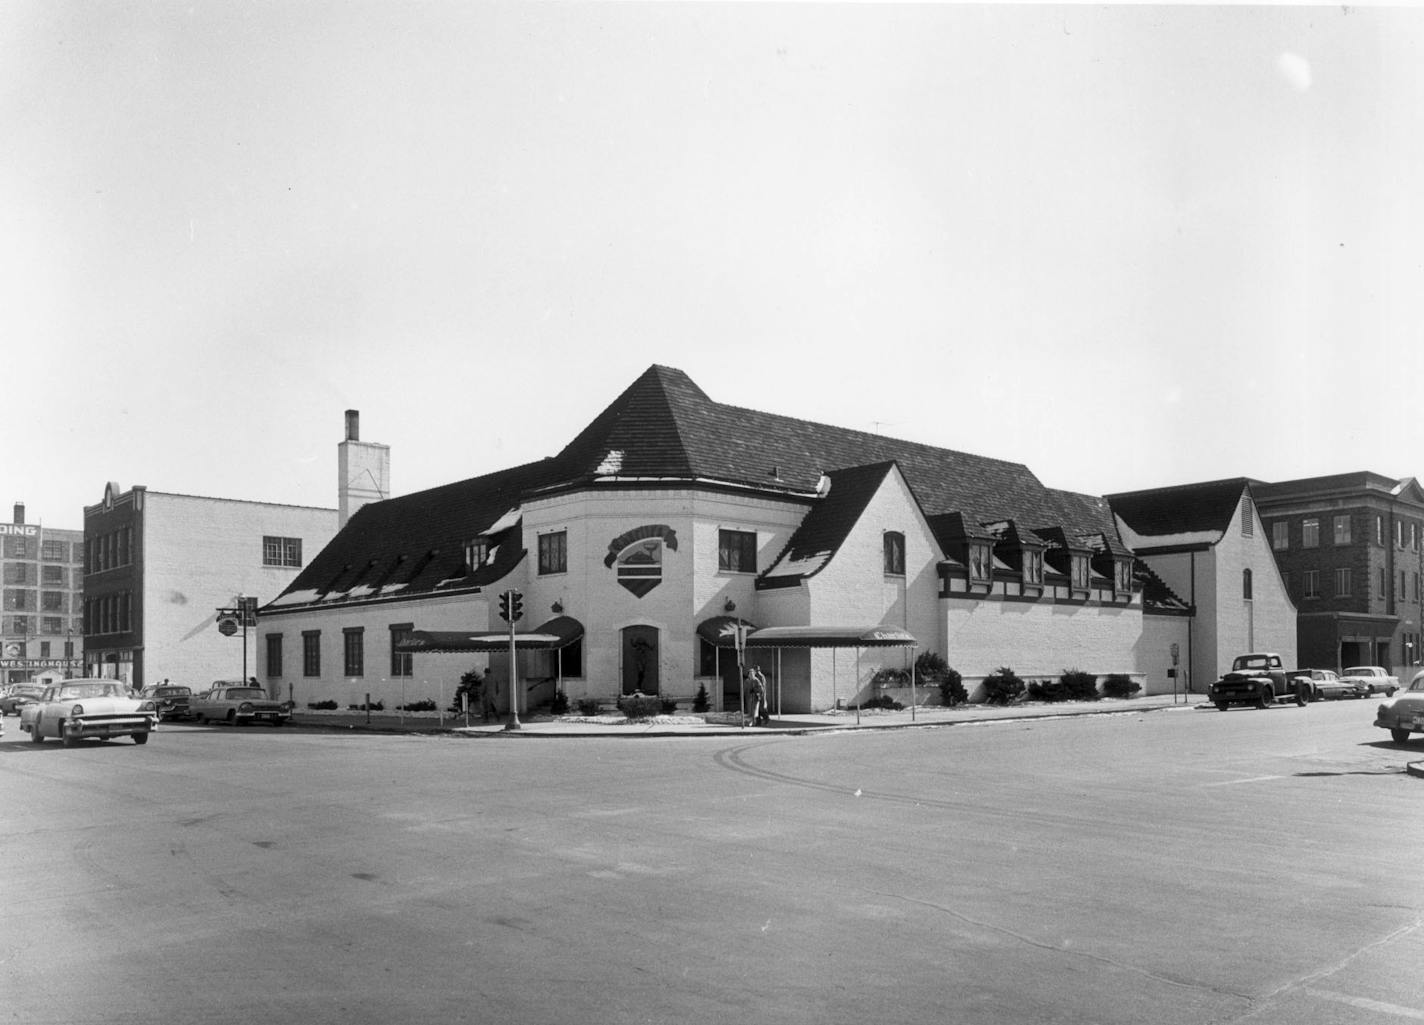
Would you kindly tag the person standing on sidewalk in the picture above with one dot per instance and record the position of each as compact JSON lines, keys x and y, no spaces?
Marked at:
{"x":756,"y":696}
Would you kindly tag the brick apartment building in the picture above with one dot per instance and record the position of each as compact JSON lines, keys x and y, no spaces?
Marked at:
{"x":41,"y":629}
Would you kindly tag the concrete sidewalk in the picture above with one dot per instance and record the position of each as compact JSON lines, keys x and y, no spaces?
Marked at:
{"x":728,"y":723}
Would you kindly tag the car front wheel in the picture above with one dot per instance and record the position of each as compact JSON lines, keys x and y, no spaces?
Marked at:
{"x":1400,"y":736}
{"x":140,"y":738}
{"x":1222,"y":706}
{"x":36,"y":737}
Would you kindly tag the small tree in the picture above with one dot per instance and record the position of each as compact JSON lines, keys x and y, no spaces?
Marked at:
{"x":1120,"y":685}
{"x":1079,"y":686}
{"x":1002,"y":686}
{"x":951,"y":688}
{"x":700,"y":702}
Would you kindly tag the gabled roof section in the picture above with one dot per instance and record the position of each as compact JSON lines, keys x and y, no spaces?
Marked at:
{"x":1340,"y":485}
{"x":1186,"y":514}
{"x":825,"y":528}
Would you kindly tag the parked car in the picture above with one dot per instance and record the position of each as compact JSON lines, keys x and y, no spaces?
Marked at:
{"x":171,"y":699}
{"x":1375,"y":679}
{"x":72,"y":710}
{"x":17,"y":694}
{"x":1326,"y":685}
{"x":237,"y":704}
{"x":1405,"y":714}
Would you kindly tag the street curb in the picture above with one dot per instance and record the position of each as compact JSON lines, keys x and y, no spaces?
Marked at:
{"x":626,"y":732}
{"x":1414,"y":769}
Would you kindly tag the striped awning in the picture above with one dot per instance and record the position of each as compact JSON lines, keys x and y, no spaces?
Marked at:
{"x":831,"y":637}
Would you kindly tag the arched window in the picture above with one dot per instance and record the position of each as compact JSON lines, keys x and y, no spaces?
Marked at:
{"x":1246,"y":584}
{"x":640,"y":566}
{"x":894,"y":553}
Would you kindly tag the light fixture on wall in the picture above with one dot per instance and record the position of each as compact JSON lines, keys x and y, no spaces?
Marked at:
{"x":730,"y":606}
{"x":557,"y":608}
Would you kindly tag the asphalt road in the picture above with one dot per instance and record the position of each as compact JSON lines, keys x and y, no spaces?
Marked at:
{"x":1169,"y":867}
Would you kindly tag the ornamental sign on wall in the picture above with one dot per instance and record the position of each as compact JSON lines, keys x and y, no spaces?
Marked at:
{"x":637,"y":556}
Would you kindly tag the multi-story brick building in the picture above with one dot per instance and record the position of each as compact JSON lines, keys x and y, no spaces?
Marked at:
{"x":158,"y":566}
{"x":41,"y":629}
{"x":1349,"y":548}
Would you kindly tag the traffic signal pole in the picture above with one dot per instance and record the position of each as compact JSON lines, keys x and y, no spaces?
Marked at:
{"x":511,"y":607}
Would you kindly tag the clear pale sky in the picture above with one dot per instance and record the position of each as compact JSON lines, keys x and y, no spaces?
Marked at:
{"x":1128,"y":246}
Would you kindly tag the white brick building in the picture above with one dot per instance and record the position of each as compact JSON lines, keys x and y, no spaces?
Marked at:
{"x":670,"y":516}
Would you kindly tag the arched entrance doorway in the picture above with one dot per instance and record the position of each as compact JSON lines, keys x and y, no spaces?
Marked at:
{"x":640,"y":659}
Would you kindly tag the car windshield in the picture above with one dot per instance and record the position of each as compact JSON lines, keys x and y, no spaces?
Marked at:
{"x":1252,"y":662}
{"x":1360,"y":671}
{"x":78,"y":691}
{"x":246,"y":692}
{"x":172,"y":692}
{"x":1418,"y":683}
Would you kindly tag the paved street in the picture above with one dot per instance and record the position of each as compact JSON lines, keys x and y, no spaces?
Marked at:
{"x":1172,"y":867}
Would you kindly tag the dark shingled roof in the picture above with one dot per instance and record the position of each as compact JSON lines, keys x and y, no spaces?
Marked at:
{"x":827,"y":525}
{"x":1185,"y":508}
{"x":663,"y":426}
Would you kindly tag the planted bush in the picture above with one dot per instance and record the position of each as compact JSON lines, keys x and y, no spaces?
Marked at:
{"x":881,"y":701}
{"x":669,"y":706}
{"x":1046,"y":690}
{"x":425,"y":705}
{"x":640,"y":706}
{"x":1120,"y":685}
{"x":889,"y":677}
{"x":559,"y":705}
{"x":931,"y":667}
{"x":1079,"y":686}
{"x":588,"y":706}
{"x":700,"y":703}
{"x":1002,"y":687}
{"x":322,"y":705}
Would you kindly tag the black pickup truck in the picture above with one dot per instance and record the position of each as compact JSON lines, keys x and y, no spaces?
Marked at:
{"x":1260,"y":679}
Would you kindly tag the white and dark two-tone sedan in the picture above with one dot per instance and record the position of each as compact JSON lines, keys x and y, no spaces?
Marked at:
{"x":75,"y":710}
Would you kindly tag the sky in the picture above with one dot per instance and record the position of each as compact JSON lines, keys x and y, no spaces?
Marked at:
{"x":1127,"y":246}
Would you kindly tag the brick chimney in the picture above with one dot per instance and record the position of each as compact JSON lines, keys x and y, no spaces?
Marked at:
{"x":19,"y":512}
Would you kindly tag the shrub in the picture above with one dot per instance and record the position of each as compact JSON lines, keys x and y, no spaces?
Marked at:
{"x":425,"y":705}
{"x":881,"y":701}
{"x":931,"y":667}
{"x":700,"y":703}
{"x":951,"y":688}
{"x":322,"y":704}
{"x":669,"y":706}
{"x":1120,"y":685}
{"x":374,"y":706}
{"x":1080,"y":686}
{"x":559,"y":705}
{"x":888,"y":677}
{"x":1047,"y":690}
{"x":588,"y":706}
{"x":1002,"y":687}
{"x":640,"y":706}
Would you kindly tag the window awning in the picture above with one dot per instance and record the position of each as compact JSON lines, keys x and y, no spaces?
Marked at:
{"x":721,"y":630}
{"x":831,"y":637}
{"x":556,"y":633}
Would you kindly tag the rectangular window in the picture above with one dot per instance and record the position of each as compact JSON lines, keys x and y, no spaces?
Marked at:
{"x":1399,"y":533}
{"x":894,"y":553}
{"x":1342,"y":583}
{"x":1310,"y":534}
{"x":736,"y":551}
{"x":274,"y":655}
{"x":52,"y":575}
{"x":553,"y":553}
{"x":281,"y":551}
{"x":401,"y":661}
{"x":51,"y":625}
{"x":311,"y":652}
{"x":44,"y":649}
{"x":17,"y":573}
{"x":52,"y":601}
{"x":1312,"y":583}
{"x":52,"y":550}
{"x":1342,"y":530}
{"x":1248,"y":518}
{"x":1379,"y":530}
{"x":1414,"y":537}
{"x":1399,"y":594}
{"x":354,"y":647}
{"x":17,"y":548}
{"x":1280,"y":535}
{"x":1379,"y":583}
{"x":476,"y":552}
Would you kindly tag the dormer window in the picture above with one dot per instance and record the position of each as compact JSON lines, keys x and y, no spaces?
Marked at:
{"x":981,"y":562}
{"x":1122,"y":577}
{"x":476,"y":552}
{"x":894,"y":553}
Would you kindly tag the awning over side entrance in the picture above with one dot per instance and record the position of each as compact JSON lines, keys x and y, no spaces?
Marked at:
{"x":722,"y":630}
{"x":556,"y":633}
{"x":831,"y":637}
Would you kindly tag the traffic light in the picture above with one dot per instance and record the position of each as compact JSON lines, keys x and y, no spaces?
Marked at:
{"x":504,"y":606}
{"x":516,"y":606}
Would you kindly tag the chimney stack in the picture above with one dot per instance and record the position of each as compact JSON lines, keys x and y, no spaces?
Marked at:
{"x":19,"y":512}
{"x":363,"y":471}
